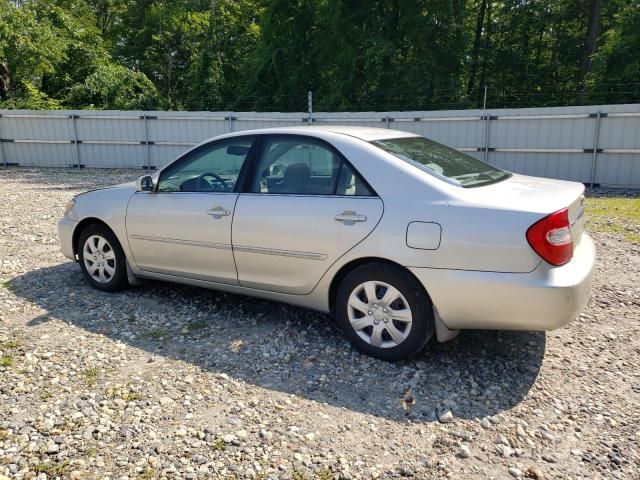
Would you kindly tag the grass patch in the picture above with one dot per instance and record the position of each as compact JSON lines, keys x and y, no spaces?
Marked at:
{"x":298,"y":475}
{"x":46,"y":395}
{"x":195,"y":326}
{"x":324,"y":475}
{"x":6,"y":361}
{"x":8,"y":345}
{"x":125,"y":395}
{"x":148,"y":474}
{"x":131,"y":396}
{"x":219,"y":445}
{"x":91,"y":376}
{"x":157,"y":333}
{"x":614,"y":215}
{"x":91,"y":452}
{"x":52,"y":469}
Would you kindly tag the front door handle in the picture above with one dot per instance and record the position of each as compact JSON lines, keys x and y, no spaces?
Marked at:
{"x":350,"y":217}
{"x":219,"y":212}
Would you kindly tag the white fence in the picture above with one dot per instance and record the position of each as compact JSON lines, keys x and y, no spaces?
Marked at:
{"x":590,"y":144}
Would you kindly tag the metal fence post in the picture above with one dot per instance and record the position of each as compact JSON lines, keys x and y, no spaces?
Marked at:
{"x":310,"y":107}
{"x":75,"y":138}
{"x":4,"y":158}
{"x":230,"y":122}
{"x":485,"y":157}
{"x":594,"y":159}
{"x":386,"y":119}
{"x":146,"y":139}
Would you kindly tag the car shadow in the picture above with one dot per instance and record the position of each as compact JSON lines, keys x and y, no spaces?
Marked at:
{"x":293,"y":350}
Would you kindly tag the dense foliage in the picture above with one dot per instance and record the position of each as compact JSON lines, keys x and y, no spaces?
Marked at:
{"x":353,"y":54}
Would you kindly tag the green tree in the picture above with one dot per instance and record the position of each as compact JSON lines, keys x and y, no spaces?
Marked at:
{"x":32,"y":48}
{"x":283,"y":68}
{"x":353,"y":54}
{"x":56,"y":55}
{"x":359,"y":55}
{"x":113,"y":87}
{"x":194,"y":51}
{"x":214,"y":74}
{"x":525,"y":52}
{"x":616,"y":71}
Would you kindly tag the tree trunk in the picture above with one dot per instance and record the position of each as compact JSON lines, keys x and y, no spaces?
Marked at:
{"x":594,"y":28}
{"x":476,"y":47}
{"x":485,"y":59}
{"x":543,"y":26}
{"x":4,"y":81}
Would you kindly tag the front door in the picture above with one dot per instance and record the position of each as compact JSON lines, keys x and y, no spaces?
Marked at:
{"x":184,"y":227}
{"x":305,"y":209}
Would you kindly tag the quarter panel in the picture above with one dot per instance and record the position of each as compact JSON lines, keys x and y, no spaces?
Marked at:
{"x":472,"y":238}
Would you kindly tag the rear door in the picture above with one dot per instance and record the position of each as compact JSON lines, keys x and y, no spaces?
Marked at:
{"x":305,"y":207}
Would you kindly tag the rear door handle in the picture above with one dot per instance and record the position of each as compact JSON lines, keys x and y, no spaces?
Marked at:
{"x":350,"y":217}
{"x":218,"y":212}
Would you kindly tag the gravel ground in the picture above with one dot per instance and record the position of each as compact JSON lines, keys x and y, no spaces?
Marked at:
{"x":168,"y":381}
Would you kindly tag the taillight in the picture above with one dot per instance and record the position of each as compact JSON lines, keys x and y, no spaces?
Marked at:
{"x":551,"y":238}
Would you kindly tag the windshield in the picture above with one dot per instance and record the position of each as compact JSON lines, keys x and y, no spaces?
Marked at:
{"x":442,"y":161}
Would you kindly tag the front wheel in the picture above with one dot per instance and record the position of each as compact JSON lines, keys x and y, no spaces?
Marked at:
{"x":384,"y":311}
{"x":102,"y":259}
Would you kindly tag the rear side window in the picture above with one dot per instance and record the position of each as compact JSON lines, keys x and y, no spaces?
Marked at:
{"x":301,"y":166}
{"x":442,"y":161}
{"x":351,"y":184}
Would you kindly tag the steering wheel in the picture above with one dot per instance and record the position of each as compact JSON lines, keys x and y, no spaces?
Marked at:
{"x":217,"y":179}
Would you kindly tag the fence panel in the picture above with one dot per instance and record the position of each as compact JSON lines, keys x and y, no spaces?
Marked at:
{"x":590,"y":144}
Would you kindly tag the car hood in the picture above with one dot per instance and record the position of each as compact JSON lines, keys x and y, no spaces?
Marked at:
{"x":120,"y":186}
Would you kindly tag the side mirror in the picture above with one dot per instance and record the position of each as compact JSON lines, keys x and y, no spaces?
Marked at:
{"x":145,"y":184}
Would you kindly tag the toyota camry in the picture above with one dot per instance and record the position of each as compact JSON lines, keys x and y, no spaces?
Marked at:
{"x":399,"y":237}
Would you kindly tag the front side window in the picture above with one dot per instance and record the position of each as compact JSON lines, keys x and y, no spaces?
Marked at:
{"x":304,"y":167}
{"x":213,"y":169}
{"x":442,"y":161}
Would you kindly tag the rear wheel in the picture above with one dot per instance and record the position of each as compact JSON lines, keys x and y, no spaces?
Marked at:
{"x":384,"y":311}
{"x":102,"y":259}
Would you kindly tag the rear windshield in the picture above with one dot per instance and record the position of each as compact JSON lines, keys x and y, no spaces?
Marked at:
{"x":442,"y":161}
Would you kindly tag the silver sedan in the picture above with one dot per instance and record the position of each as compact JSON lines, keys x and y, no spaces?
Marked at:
{"x":400,"y":237}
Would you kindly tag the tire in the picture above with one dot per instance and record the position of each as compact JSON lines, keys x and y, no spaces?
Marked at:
{"x":102,"y":259}
{"x":388,"y":330}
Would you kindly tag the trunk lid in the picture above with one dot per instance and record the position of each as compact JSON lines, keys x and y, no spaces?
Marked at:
{"x":533,"y":195}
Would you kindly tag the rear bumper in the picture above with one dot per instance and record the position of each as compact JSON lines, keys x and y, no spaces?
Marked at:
{"x":65,"y":235}
{"x":544,"y":299}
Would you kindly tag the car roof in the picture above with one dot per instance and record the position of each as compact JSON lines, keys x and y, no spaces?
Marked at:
{"x":367,"y":134}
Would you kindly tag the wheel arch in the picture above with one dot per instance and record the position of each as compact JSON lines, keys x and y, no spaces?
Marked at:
{"x":351,"y":265}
